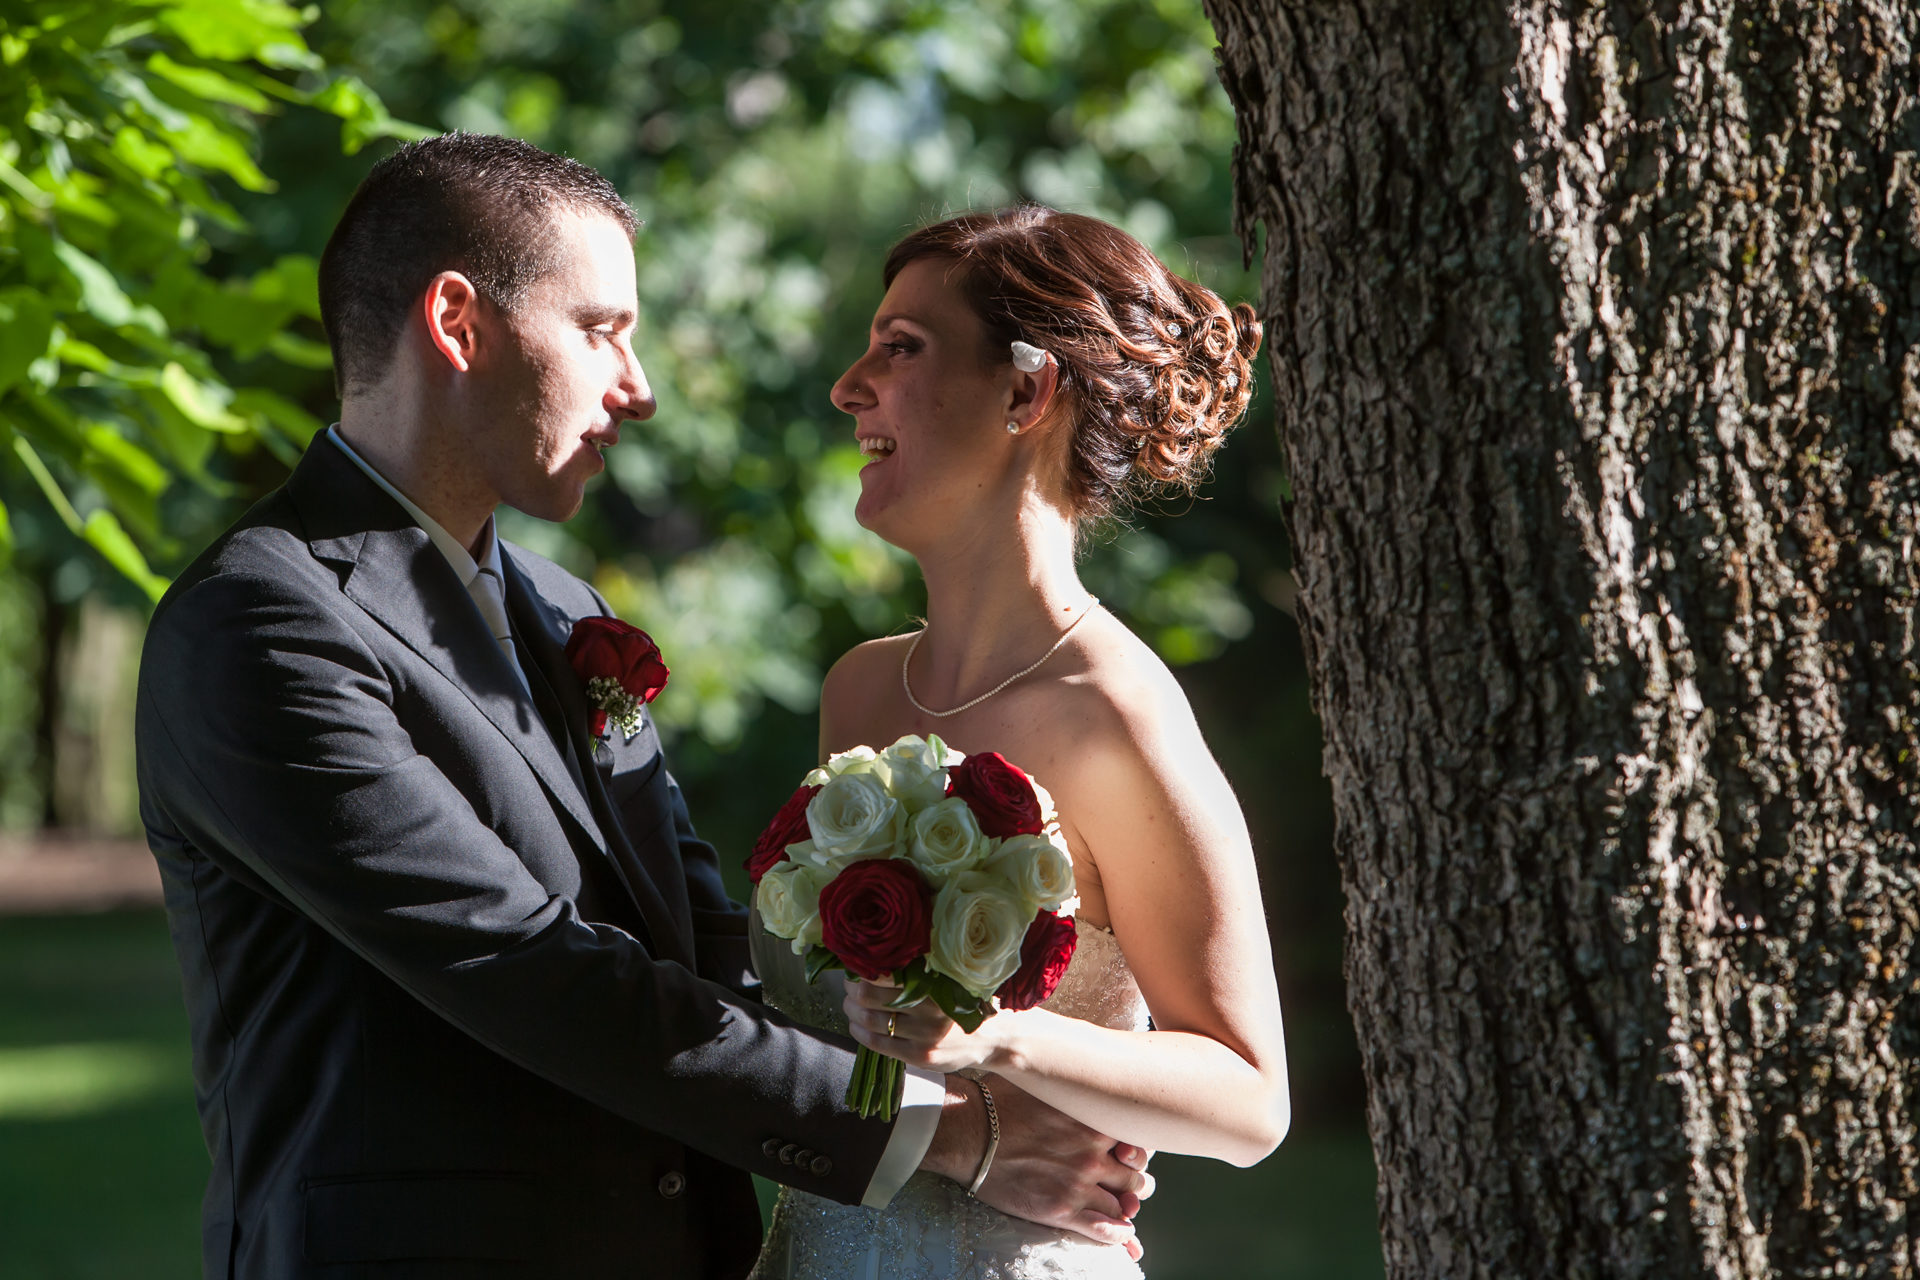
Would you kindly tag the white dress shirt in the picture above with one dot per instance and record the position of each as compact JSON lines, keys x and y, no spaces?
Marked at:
{"x":926,"y":1091}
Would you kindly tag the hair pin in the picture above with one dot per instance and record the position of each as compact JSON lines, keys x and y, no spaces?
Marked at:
{"x":1028,"y":358}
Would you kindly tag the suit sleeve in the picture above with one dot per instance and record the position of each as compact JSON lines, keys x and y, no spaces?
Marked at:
{"x":719,"y":923}
{"x":269,"y":737}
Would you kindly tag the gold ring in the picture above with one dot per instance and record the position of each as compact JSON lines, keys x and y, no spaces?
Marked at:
{"x":890,"y":1020}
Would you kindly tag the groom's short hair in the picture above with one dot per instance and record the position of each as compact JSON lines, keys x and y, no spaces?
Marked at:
{"x":481,"y":205}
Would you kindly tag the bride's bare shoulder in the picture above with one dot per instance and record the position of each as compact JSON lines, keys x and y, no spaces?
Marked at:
{"x":864,"y":676}
{"x":1117,"y":713}
{"x":1128,"y":691}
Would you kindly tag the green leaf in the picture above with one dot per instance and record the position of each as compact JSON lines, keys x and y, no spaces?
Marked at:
{"x":56,"y":497}
{"x":208,"y":146}
{"x":293,"y":279}
{"x":296,"y":423}
{"x":125,"y":457}
{"x":184,"y":444}
{"x":915,"y":985}
{"x":84,"y":355}
{"x":302,"y":352}
{"x":80,"y":197}
{"x":101,"y":295}
{"x":203,"y":82}
{"x":240,"y":30}
{"x":6,"y":534}
{"x":23,"y":187}
{"x":26,"y":329}
{"x":819,"y":960}
{"x":140,"y":153}
{"x":104,"y":533}
{"x":250,"y":315}
{"x":204,"y":405}
{"x":969,"y":1017}
{"x":363,"y":116}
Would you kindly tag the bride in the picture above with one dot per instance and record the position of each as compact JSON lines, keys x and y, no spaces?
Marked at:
{"x":1028,"y":372}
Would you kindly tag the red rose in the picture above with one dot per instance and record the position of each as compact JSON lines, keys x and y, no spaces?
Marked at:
{"x":1044,"y":954}
{"x":876,"y":916}
{"x":1001,"y":797}
{"x":618,"y":651}
{"x":789,"y":826}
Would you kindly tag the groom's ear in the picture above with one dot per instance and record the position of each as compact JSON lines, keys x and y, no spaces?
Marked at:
{"x":450,"y":307}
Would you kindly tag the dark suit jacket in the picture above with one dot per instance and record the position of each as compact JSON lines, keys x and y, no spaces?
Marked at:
{"x":467,"y":998}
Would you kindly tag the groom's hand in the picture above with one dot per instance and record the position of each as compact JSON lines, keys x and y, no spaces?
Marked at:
{"x":1048,"y":1169}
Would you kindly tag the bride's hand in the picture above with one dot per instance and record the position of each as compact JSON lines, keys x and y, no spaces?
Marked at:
{"x":920,"y":1035}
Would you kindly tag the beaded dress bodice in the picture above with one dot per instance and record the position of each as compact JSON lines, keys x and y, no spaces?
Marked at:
{"x":932,"y":1229}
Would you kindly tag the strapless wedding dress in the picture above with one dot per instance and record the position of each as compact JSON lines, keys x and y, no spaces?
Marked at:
{"x":932,"y":1229}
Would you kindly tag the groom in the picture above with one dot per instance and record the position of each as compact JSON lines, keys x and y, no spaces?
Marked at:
{"x":467,"y":996}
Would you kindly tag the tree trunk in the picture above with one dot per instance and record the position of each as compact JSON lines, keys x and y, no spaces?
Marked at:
{"x":1595,"y":336}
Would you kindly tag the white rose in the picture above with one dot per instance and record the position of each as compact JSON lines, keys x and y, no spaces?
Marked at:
{"x":853,"y":817}
{"x":978,"y":926}
{"x":914,"y":770}
{"x":788,"y":897}
{"x":944,"y":839}
{"x":852,"y":760}
{"x":1039,"y":869}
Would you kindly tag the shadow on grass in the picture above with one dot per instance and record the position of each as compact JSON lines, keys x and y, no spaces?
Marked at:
{"x":102,"y":1166}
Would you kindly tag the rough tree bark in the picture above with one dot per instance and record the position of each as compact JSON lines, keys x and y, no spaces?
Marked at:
{"x":1595,"y":336}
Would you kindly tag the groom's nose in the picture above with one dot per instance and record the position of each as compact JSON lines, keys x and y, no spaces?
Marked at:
{"x":631,"y":397}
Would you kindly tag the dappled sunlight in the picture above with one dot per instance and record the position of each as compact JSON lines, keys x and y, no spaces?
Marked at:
{"x":55,"y":1081}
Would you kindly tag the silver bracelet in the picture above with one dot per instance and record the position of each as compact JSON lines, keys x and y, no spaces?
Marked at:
{"x":993,"y":1137}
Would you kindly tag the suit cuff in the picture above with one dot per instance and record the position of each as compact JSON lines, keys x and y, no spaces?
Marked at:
{"x":920,"y":1103}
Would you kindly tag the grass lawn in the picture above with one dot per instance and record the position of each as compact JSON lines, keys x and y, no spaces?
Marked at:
{"x":101,"y":1164}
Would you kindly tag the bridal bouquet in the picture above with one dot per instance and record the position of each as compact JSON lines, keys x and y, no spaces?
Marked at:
{"x":946,"y":872}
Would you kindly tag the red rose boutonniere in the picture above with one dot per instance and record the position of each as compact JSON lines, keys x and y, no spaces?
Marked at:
{"x":622,"y":667}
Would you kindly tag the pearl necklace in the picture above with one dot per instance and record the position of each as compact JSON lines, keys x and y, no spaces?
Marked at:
{"x":1092,"y":603}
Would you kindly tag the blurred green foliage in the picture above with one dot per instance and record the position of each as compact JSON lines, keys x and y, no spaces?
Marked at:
{"x":775,"y":150}
{"x":162,"y":208}
{"x":126,"y":127}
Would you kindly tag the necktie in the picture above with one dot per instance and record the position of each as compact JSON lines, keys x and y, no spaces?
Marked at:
{"x":490,"y":595}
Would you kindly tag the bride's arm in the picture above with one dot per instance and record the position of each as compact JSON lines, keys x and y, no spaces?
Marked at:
{"x":1177,"y":868}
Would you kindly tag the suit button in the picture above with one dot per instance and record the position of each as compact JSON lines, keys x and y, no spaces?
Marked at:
{"x":803,"y":1159}
{"x":821,"y":1165}
{"x":772,"y":1147}
{"x":786,"y":1152}
{"x":672,"y":1184}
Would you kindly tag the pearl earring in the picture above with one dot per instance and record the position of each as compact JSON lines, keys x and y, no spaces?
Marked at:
{"x":1013,"y":428}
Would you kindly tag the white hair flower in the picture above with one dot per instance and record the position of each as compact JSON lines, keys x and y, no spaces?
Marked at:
{"x":1028,"y":358}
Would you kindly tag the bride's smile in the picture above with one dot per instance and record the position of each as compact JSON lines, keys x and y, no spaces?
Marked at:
{"x":930,"y":407}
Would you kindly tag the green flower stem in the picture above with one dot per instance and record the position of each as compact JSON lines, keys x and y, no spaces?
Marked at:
{"x":874,"y":1089}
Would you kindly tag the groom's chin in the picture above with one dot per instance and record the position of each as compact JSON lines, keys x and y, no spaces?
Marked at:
{"x":557,"y":507}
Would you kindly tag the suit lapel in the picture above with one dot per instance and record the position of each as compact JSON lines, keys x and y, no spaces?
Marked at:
{"x":652,"y":873}
{"x":404,"y":583}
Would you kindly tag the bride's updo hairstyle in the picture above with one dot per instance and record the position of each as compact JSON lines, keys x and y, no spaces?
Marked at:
{"x":1154,"y":369}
